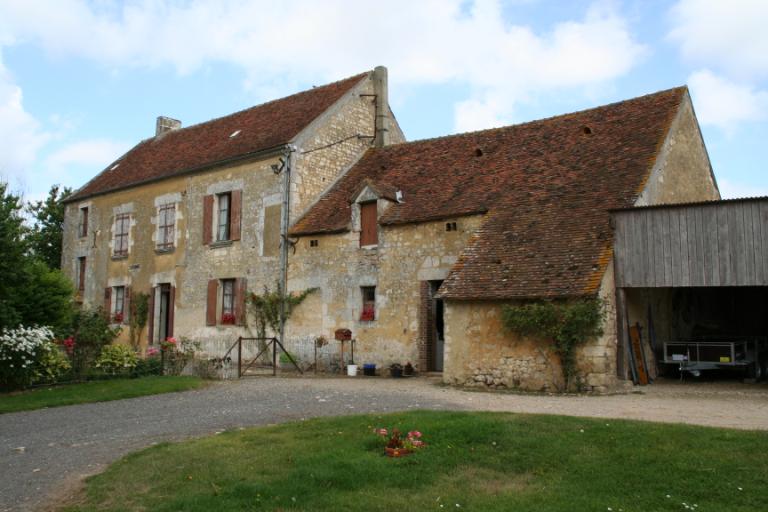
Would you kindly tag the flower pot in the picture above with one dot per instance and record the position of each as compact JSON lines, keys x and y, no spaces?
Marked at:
{"x":352,"y":370}
{"x":369,"y":370}
{"x":396,"y":372}
{"x":397,"y":452}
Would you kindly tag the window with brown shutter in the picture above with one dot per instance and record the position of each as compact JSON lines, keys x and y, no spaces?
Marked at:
{"x":228,"y":302}
{"x":118,"y":311}
{"x":83,"y":222}
{"x":207,"y":219}
{"x":236,"y":197}
{"x":240,"y":298}
{"x":108,"y":302}
{"x":368,"y":224}
{"x":210,"y":312}
{"x":81,"y":274}
{"x":223,"y":216}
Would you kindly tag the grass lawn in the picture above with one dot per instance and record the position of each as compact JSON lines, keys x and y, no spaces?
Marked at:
{"x":94,"y":391}
{"x":473,"y":461}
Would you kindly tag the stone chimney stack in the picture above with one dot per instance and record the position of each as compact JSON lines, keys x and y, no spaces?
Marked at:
{"x":380,"y":87}
{"x":166,"y":124}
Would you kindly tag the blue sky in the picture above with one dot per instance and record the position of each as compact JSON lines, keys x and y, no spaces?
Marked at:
{"x":81,"y":82}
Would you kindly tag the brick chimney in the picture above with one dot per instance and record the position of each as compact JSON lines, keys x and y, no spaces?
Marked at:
{"x":380,"y":87}
{"x":166,"y":124}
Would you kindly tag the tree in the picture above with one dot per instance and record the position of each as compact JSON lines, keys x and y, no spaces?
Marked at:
{"x":45,"y":297}
{"x":13,"y":250}
{"x":46,"y":235}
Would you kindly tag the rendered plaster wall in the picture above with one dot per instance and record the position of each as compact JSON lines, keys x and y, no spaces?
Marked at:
{"x":338,"y":267}
{"x":682,"y":172}
{"x":479,"y":352}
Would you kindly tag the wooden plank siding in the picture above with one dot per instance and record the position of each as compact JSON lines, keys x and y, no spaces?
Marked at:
{"x":720,"y":243}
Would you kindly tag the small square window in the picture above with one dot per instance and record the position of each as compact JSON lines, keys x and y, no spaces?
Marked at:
{"x":314,"y":243}
{"x":450,"y":226}
{"x":369,"y":303}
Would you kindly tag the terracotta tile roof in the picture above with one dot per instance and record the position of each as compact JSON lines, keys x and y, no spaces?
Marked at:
{"x":546,"y":186}
{"x":261,"y":127}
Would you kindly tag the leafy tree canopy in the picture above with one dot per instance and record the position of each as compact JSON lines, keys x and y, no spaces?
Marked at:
{"x":45,"y":237}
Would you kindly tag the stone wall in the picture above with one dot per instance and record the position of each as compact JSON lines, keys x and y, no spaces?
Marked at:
{"x":405,"y":258}
{"x":191,"y":263}
{"x":480,"y":352}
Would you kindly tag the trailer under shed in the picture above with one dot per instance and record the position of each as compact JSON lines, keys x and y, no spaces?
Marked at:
{"x":692,"y":288}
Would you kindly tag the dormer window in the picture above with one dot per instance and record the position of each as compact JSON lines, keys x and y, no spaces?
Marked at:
{"x":369,"y":233}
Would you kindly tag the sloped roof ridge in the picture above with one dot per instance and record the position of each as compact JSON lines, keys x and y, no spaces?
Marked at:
{"x":260,"y":105}
{"x":575,"y":113}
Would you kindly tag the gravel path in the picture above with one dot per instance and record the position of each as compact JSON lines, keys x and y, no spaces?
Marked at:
{"x":44,"y":453}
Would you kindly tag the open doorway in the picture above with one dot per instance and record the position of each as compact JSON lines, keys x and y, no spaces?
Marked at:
{"x":163,"y":312}
{"x":436,"y":339}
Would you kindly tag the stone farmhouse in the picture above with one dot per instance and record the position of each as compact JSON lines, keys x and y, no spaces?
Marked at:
{"x":413,"y":246}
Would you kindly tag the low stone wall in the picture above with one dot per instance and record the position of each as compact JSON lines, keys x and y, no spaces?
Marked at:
{"x":479,"y":352}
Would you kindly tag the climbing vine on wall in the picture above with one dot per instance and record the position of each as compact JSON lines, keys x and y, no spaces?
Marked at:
{"x":569,"y":324}
{"x":139,"y":317}
{"x":265,"y":308}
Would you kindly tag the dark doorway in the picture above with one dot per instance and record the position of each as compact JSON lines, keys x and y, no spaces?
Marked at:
{"x":436,"y":341}
{"x":164,"y":311}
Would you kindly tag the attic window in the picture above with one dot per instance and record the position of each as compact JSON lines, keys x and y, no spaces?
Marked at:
{"x":234,"y":134}
{"x":586,"y":130}
{"x":450,"y":226}
{"x":478,"y":152}
{"x":314,"y":243}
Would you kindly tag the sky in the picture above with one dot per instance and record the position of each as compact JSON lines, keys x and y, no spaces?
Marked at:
{"x":83,"y":81}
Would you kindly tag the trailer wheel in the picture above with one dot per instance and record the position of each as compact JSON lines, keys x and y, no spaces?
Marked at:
{"x":755,"y":371}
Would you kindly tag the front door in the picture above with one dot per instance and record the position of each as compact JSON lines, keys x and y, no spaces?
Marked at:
{"x":437,"y":329}
{"x":163,"y":313}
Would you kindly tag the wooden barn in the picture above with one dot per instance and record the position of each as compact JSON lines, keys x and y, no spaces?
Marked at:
{"x":692,"y":289}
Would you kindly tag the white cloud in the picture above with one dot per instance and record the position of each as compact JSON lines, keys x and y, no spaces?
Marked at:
{"x":97,"y":153}
{"x":729,"y":35}
{"x":725,"y":104}
{"x":21,"y":135}
{"x":731,"y":189}
{"x":429,"y":41}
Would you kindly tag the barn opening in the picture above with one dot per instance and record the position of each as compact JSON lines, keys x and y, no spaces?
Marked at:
{"x":692,"y":290}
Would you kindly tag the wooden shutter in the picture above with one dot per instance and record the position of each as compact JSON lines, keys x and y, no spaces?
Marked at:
{"x":151,"y":314}
{"x":108,"y":303}
{"x":171,"y":308}
{"x":127,"y":305}
{"x":235,"y":215}
{"x":368,"y":224}
{"x":210,"y":311}
{"x":207,"y":219}
{"x":240,"y":298}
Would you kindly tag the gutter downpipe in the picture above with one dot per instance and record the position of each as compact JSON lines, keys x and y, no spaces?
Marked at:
{"x":284,"y":225}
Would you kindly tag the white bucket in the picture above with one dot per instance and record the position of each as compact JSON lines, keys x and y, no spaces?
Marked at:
{"x":352,"y":370}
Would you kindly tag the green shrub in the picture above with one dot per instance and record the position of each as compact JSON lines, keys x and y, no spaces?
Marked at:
{"x":116,"y":359}
{"x":152,"y":365}
{"x":92,"y":331}
{"x":52,"y":364}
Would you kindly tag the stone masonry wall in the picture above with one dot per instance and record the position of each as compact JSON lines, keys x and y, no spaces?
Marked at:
{"x":405,"y":258}
{"x":191,"y":264}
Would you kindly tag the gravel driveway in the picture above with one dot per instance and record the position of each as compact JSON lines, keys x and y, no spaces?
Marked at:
{"x":44,"y":453}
